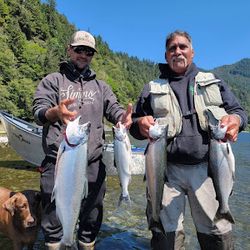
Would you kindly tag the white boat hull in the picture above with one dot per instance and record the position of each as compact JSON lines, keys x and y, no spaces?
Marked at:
{"x":24,"y":138}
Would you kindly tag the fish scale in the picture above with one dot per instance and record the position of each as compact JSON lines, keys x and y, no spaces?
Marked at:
{"x":71,"y":183}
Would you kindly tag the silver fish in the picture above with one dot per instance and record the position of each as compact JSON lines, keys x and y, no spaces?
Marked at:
{"x":222,"y":170}
{"x":71,"y":183}
{"x":123,"y":160}
{"x":156,"y":163}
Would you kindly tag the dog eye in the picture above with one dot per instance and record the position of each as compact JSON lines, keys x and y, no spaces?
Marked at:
{"x":23,"y":206}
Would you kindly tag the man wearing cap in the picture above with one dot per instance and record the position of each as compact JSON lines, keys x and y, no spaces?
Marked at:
{"x":60,"y":97}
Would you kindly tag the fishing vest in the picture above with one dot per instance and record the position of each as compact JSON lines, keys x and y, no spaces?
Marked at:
{"x":167,"y":109}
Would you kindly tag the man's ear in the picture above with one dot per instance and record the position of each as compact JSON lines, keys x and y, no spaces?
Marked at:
{"x":68,"y":50}
{"x":166,"y":56}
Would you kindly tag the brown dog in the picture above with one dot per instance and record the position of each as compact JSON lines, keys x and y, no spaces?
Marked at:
{"x":20,"y":216}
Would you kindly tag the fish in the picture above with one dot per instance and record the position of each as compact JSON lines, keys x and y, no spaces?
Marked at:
{"x":71,"y":183}
{"x":222,"y":170}
{"x":123,"y":160}
{"x":156,"y":167}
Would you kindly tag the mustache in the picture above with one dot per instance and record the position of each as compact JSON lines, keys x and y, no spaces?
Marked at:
{"x":178,"y":59}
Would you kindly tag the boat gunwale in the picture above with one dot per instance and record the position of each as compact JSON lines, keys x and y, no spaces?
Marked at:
{"x":14,"y":121}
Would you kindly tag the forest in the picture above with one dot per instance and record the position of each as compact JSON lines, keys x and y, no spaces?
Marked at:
{"x":33,"y":40}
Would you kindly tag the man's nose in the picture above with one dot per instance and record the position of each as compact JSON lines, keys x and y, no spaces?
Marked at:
{"x":177,"y":50}
{"x":83,"y":54}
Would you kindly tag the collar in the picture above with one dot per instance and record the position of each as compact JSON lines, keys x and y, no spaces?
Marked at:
{"x":168,"y":73}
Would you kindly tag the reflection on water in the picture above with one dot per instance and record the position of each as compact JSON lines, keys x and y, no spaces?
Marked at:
{"x":126,"y":227}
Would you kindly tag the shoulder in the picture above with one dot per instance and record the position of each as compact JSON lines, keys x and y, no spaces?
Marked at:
{"x":102,"y":85}
{"x":205,"y":76}
{"x":51,"y":81}
{"x":100,"y":82}
{"x":158,"y":81}
{"x":53,"y":76}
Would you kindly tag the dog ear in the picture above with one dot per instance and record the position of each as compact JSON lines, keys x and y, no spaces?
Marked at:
{"x":9,"y":205}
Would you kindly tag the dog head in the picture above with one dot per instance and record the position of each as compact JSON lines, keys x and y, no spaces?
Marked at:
{"x":34,"y":201}
{"x":24,"y":207}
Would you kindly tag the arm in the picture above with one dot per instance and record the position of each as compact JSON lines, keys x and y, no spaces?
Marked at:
{"x":142,"y":116}
{"x":236,"y":121}
{"x":61,"y":112}
{"x":113,"y":111}
{"x":46,"y":106}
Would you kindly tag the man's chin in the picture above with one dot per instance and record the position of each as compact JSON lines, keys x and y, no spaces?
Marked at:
{"x":179,"y":68}
{"x":81,"y":65}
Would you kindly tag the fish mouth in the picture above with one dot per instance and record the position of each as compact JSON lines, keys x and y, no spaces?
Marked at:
{"x":88,"y":125}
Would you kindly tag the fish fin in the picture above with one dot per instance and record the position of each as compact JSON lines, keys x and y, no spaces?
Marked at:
{"x":85,"y":189}
{"x":53,"y":195}
{"x":228,"y":216}
{"x":124,"y":199}
{"x":128,"y":144}
{"x":233,"y":174}
{"x":232,"y":192}
{"x":59,"y":154}
{"x":115,"y":163}
{"x":146,"y":149}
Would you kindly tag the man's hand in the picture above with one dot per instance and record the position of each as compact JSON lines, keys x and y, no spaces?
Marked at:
{"x":61,"y":112}
{"x":127,"y":116}
{"x":233,"y":124}
{"x":144,"y":124}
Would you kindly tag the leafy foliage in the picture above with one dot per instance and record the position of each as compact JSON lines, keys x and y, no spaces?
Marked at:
{"x":33,"y":39}
{"x":238,"y":77}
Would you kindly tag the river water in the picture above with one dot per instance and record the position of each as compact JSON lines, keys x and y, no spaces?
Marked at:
{"x":126,"y":227}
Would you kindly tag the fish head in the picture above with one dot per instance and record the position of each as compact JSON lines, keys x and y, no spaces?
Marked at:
{"x":157,"y":131}
{"x":77,"y":133}
{"x":84,"y":129}
{"x":218,"y":132}
{"x":120,"y":132}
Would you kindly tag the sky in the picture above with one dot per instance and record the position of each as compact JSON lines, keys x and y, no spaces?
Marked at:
{"x":220,"y":29}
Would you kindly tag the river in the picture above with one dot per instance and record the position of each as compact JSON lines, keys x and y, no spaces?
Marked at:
{"x":126,"y":227}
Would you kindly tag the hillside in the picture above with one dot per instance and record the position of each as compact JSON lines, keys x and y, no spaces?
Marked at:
{"x":237,"y":76}
{"x":33,"y":38}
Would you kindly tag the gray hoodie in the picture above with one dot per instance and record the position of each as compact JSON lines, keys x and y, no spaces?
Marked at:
{"x":94,"y":100}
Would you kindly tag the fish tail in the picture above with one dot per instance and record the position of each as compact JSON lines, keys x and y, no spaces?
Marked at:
{"x":66,"y":245}
{"x":85,"y":189}
{"x":228,"y":216}
{"x":124,"y":199}
{"x":53,"y":195}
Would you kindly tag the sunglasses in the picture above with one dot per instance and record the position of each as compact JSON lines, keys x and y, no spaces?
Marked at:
{"x":83,"y":49}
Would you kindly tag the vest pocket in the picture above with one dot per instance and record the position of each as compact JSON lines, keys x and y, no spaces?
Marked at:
{"x":159,"y":103}
{"x":211,"y":95}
